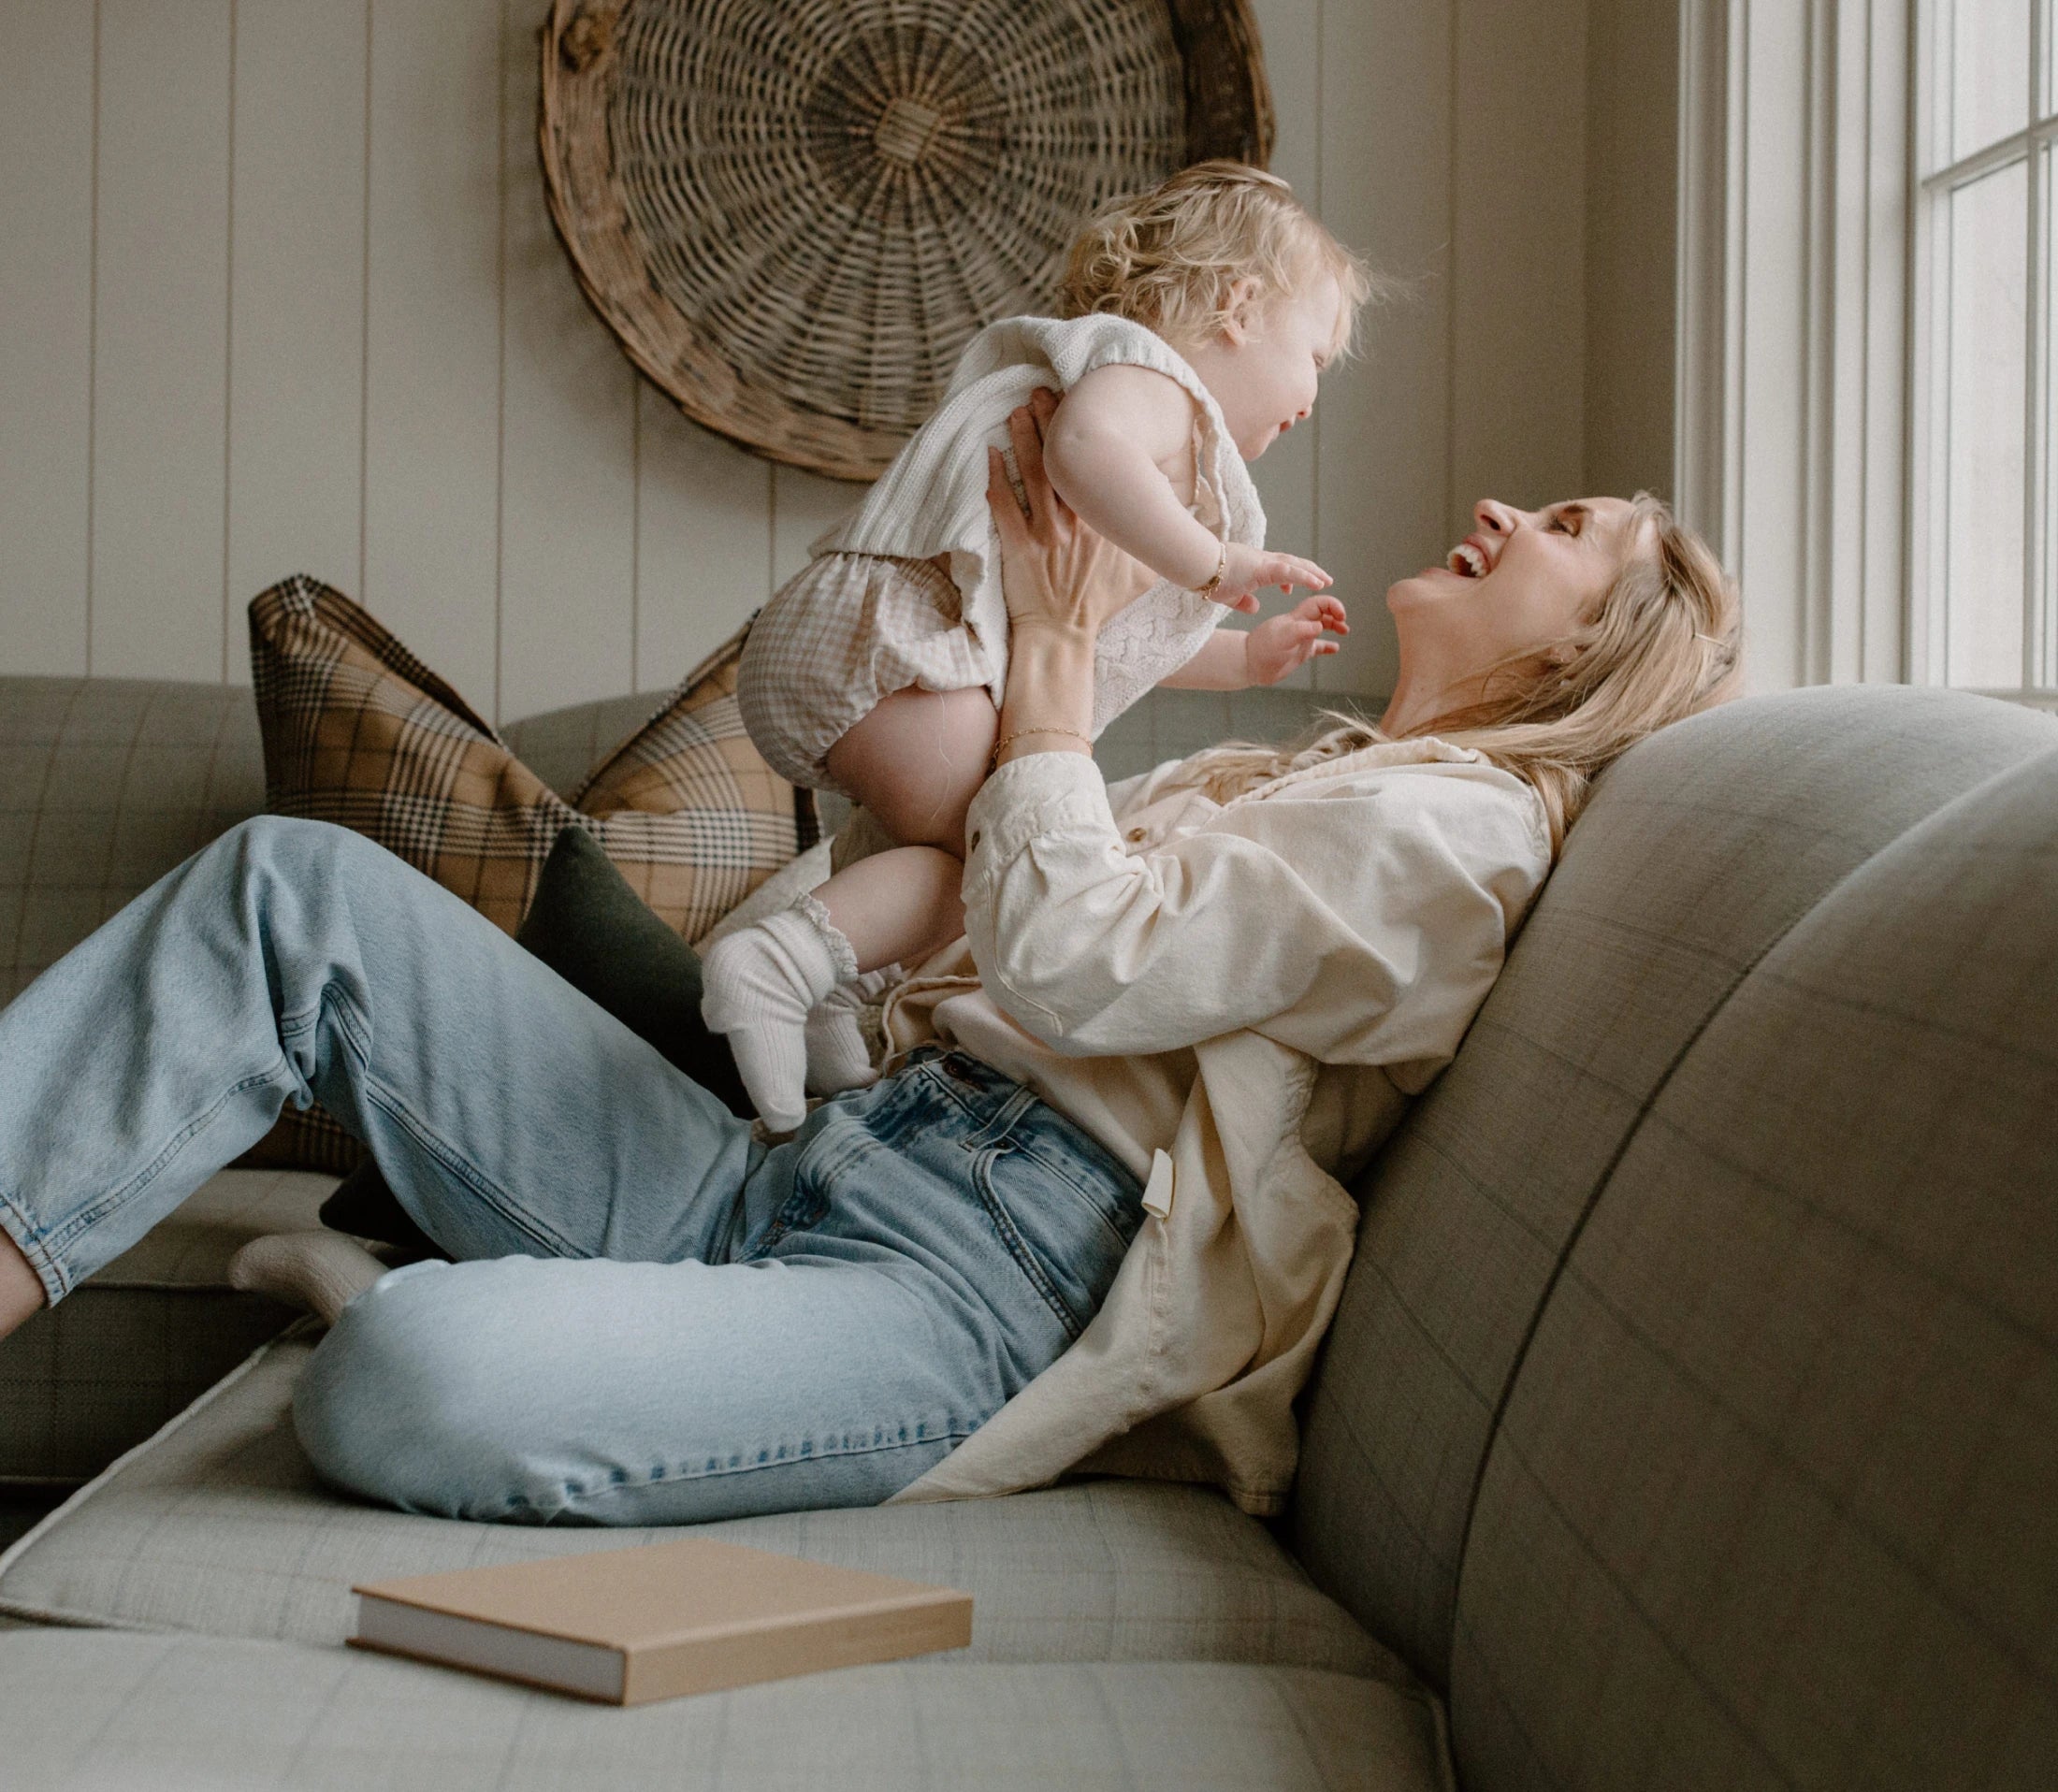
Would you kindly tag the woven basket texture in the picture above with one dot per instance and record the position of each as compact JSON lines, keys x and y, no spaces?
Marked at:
{"x":796,"y":213}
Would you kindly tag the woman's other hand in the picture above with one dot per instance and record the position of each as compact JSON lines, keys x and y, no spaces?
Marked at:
{"x":1285,"y":643}
{"x":1056,"y":572}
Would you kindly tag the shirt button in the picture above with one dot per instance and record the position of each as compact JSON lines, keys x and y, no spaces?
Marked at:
{"x":1135,"y":834}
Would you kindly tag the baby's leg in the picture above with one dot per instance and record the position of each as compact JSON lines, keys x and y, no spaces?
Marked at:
{"x":915,"y":763}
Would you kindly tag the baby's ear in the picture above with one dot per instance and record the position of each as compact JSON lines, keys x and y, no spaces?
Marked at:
{"x":1240,"y":310}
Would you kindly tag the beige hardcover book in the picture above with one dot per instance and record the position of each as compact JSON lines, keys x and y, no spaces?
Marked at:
{"x":628,"y":1626}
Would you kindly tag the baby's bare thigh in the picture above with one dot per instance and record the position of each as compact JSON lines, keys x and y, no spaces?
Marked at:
{"x":917,"y":761}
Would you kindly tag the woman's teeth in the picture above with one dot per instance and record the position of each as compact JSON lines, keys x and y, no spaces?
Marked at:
{"x":1467,"y":562}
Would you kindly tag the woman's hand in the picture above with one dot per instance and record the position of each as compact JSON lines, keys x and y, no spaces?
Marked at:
{"x":1285,"y":643}
{"x":1057,"y":573}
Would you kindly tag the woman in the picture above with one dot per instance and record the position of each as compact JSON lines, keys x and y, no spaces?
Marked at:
{"x":1193,"y":1012}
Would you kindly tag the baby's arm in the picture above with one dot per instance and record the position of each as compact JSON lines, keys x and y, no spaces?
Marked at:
{"x":1236,"y":658}
{"x":1106,"y":451}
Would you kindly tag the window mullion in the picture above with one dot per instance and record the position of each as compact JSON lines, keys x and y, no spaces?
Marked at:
{"x":2035,"y":417}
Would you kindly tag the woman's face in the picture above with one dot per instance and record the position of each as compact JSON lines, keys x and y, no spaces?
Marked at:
{"x":1520,"y":581}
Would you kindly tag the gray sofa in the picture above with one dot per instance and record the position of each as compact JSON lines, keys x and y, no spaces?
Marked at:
{"x":1690,"y":1418}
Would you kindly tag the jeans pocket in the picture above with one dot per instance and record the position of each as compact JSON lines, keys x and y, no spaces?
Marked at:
{"x":1067,"y":1243}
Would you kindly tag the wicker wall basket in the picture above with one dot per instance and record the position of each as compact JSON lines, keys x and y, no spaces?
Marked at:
{"x":796,"y":213}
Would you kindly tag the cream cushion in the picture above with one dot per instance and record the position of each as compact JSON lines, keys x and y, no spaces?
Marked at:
{"x":130,"y":1713}
{"x":219,"y":1524}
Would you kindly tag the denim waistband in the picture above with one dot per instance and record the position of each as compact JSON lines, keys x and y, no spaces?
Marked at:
{"x":1029,"y":1123}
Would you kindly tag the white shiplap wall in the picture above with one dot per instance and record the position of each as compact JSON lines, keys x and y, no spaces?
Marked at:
{"x":280,"y":293}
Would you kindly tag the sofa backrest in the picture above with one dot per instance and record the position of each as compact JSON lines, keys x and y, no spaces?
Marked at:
{"x":1469,"y":1347}
{"x":105,"y":785}
{"x":1773,"y":1501}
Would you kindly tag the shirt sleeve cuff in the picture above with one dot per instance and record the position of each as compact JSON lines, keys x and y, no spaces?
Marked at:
{"x":1030,"y":796}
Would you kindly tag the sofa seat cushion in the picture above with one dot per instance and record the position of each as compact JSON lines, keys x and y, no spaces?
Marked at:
{"x":85,"y":1709}
{"x":220,"y":1526}
{"x":96,"y":1375}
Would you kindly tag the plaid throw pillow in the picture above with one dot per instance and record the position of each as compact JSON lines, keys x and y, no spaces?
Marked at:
{"x":357,"y":730}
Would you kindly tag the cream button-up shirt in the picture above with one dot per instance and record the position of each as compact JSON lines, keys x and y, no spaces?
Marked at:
{"x":1236,"y":1000}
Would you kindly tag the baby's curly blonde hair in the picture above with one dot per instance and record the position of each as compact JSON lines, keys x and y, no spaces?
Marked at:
{"x":1170,"y":258}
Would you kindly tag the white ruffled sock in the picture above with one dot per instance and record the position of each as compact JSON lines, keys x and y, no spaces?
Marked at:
{"x":757,"y":987}
{"x":839,"y":1053}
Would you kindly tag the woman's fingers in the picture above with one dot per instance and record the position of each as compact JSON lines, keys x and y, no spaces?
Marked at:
{"x":1025,"y":430}
{"x":1001,"y":499}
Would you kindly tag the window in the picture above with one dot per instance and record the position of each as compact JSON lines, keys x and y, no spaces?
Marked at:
{"x":1985,"y":480}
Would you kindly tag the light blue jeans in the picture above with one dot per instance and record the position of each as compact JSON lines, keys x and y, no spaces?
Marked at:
{"x":654,"y":1319}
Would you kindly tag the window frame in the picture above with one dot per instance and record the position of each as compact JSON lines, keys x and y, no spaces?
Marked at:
{"x":1933,"y":178}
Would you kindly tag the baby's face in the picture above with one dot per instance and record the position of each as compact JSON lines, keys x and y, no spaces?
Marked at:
{"x":1265,"y":382}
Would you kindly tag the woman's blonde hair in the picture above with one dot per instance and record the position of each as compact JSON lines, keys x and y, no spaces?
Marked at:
{"x":1170,"y":258}
{"x":1664,"y":643}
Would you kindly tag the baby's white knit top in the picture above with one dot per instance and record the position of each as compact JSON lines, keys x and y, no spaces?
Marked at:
{"x":932,"y":501}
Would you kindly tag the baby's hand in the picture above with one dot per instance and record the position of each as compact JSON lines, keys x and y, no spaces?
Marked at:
{"x":1287,"y":642}
{"x":1247,"y":570}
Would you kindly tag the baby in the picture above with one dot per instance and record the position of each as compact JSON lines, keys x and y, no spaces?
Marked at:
{"x":1200,"y":317}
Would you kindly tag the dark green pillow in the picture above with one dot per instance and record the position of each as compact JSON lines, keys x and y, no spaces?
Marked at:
{"x":598,"y":934}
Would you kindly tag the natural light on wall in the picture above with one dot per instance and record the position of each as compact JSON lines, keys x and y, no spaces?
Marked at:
{"x":1986,"y":479}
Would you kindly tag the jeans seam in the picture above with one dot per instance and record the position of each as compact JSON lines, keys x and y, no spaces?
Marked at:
{"x":56,"y":1238}
{"x":28,"y":1239}
{"x":1015,"y":1245}
{"x":954,"y":1435}
{"x":452,"y":1160}
{"x":1059,"y":1174}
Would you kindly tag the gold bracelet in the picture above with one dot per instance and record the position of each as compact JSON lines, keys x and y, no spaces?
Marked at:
{"x":1222,"y":566}
{"x":992,"y":758}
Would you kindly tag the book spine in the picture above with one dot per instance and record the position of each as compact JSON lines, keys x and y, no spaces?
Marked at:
{"x":715,"y":1664}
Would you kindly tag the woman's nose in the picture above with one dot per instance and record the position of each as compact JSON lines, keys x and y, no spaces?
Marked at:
{"x":1495,"y":516}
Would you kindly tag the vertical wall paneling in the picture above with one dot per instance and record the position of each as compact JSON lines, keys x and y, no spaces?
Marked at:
{"x":804,"y":505}
{"x":317,"y":319}
{"x":1631,"y":123}
{"x":46,"y":297}
{"x":1518,"y":289}
{"x":1285,"y":473}
{"x":703,"y":540}
{"x":432,"y":371}
{"x":1381,"y":490}
{"x":296,"y":296}
{"x":568,"y":469}
{"x":161,"y":312}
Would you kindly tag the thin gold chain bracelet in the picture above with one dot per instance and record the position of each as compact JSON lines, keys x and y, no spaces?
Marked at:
{"x":1222,"y":567}
{"x":992,"y":758}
